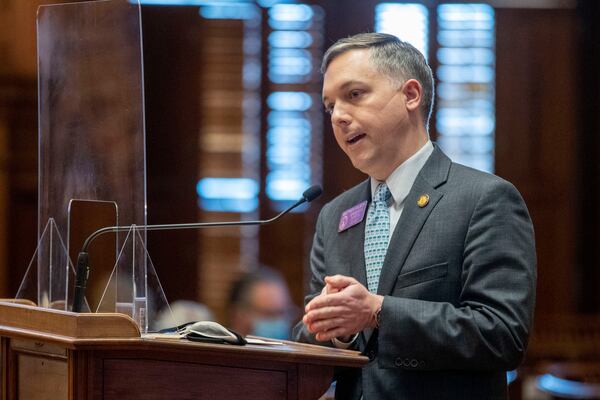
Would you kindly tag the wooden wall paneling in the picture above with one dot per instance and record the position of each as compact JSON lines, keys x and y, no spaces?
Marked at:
{"x":19,"y":108}
{"x":536,"y":138}
{"x":172,"y":66}
{"x":18,"y":35}
{"x":4,"y":37}
{"x":3,"y":363}
{"x":223,"y":146}
{"x":589,"y":150}
{"x":4,"y":202}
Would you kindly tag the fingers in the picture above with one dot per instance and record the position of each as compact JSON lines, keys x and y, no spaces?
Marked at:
{"x":336,"y":312}
{"x":326,"y":300}
{"x":327,"y":329}
{"x":333,"y":285}
{"x":330,"y":334}
{"x":340,"y":281}
{"x":328,"y":289}
{"x":337,"y":285}
{"x":326,"y":324}
{"x":323,"y":313}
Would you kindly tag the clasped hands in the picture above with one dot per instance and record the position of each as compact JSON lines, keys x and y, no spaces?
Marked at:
{"x":343,"y":308}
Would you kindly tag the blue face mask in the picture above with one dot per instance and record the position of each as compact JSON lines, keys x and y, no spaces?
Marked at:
{"x":274,"y":328}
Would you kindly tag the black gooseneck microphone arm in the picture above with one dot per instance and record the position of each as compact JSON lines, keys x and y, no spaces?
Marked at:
{"x":83,"y":264}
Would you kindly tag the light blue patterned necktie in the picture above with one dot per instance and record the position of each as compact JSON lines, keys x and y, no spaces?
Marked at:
{"x":377,"y":235}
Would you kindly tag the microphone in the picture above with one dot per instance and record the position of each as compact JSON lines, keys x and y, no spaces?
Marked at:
{"x":83,"y":262}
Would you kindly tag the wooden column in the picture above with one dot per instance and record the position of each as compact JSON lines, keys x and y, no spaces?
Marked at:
{"x":536,"y":139}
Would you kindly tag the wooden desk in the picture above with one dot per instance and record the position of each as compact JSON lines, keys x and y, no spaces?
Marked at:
{"x":53,"y":355}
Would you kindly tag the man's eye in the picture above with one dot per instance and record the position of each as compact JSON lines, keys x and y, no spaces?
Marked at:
{"x":329,"y":109}
{"x":355,"y":93}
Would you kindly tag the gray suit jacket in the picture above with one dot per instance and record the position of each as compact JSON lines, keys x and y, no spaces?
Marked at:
{"x":459,"y":284}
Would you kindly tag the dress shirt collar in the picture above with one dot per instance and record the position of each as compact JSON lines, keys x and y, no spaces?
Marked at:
{"x":402,"y":178}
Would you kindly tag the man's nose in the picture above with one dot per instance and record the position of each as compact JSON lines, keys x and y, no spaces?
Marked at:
{"x":340,"y":116}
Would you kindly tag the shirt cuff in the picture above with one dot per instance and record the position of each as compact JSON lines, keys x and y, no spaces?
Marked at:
{"x":344,"y":345}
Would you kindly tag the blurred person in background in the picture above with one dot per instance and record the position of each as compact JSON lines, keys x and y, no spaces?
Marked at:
{"x":260,"y":305}
{"x":182,"y":312}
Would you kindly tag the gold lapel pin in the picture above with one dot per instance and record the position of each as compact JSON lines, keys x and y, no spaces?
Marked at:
{"x":423,"y":200}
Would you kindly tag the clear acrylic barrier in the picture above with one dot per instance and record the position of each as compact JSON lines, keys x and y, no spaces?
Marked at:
{"x":52,"y":249}
{"x":91,"y":145}
{"x":149,"y":301}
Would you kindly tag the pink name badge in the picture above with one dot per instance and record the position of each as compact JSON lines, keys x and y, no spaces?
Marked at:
{"x":352,"y":216}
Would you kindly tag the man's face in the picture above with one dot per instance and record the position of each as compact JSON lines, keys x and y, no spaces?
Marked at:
{"x":264,"y":311}
{"x":269,"y":312}
{"x":269,"y":300}
{"x":368,"y":113}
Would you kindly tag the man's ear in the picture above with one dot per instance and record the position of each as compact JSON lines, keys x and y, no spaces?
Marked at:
{"x":413,"y":92}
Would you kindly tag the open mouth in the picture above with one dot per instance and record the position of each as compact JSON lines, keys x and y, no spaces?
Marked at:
{"x":355,"y":138}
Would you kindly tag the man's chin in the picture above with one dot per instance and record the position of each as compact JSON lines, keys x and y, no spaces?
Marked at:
{"x":362,"y":165}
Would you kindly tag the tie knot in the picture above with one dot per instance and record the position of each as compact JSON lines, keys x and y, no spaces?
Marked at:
{"x":382,"y":194}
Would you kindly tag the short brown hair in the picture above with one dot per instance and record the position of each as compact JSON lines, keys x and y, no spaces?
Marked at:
{"x":391,"y":56}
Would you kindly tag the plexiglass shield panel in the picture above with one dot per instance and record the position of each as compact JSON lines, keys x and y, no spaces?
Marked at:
{"x":91,"y":145}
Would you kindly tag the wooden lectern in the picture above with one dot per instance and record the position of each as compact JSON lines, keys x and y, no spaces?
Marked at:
{"x":54,"y":355}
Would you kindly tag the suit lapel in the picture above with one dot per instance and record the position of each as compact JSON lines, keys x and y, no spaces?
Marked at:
{"x":433,"y":175}
{"x":351,"y":238}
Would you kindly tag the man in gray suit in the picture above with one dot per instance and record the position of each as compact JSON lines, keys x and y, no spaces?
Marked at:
{"x":428,"y":267}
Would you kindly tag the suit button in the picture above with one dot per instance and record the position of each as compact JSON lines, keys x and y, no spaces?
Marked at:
{"x":371,"y":354}
{"x":414,"y":363}
{"x":406,"y":362}
{"x":421,"y":363}
{"x":398,"y":362}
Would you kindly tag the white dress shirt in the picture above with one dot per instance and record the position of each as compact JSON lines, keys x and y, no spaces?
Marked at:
{"x":401,"y":181}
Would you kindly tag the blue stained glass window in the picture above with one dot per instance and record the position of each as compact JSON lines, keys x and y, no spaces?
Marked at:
{"x":289,"y":101}
{"x":189,"y":2}
{"x":225,"y":10}
{"x":294,"y":51}
{"x":239,"y":194}
{"x":294,"y":124}
{"x":465,"y":56}
{"x":466,"y":117}
{"x":465,"y":73}
{"x":566,"y":388}
{"x":511,"y":376}
{"x":291,"y":13}
{"x":290,"y":39}
{"x":407,"y":21}
{"x":228,"y":194}
{"x":290,"y":65}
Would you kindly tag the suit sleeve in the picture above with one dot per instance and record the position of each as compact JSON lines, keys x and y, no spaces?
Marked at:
{"x":317,"y":280}
{"x":488,"y":329}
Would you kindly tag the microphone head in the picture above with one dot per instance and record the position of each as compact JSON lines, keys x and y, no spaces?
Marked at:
{"x":312,"y":193}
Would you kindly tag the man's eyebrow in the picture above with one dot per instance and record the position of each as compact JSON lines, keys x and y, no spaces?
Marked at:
{"x":344,"y":86}
{"x":350,"y":83}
